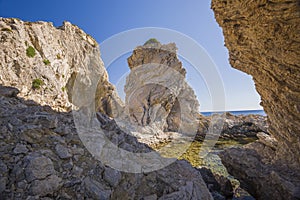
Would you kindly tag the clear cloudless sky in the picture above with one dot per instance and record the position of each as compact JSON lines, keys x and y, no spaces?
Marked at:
{"x":103,"y":19}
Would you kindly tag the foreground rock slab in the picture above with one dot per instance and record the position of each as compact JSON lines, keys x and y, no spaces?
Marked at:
{"x":38,"y":160}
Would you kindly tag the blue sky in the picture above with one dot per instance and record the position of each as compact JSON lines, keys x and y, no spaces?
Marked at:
{"x":103,"y":19}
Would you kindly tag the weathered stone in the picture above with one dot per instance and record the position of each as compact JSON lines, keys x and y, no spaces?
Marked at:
{"x":267,"y":140}
{"x":22,"y":184}
{"x":187,"y":181}
{"x":150,"y":197}
{"x":62,"y":151}
{"x":96,"y":190}
{"x":3,"y":167}
{"x":112,"y":176}
{"x":46,"y":186}
{"x":3,"y":181}
{"x":39,"y":167}
{"x":20,"y":148}
{"x":77,"y":171}
{"x":69,"y":165}
{"x":17,"y":173}
{"x":252,"y":166}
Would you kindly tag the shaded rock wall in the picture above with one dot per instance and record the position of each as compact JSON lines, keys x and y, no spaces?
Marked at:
{"x":60,"y":55}
{"x":263,"y":40}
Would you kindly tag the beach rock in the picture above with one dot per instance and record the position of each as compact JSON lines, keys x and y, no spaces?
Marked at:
{"x":262,"y":39}
{"x":240,"y":128}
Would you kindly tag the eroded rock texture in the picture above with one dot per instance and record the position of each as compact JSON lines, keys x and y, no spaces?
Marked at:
{"x":54,"y":56}
{"x":157,"y":94}
{"x":263,"y":40}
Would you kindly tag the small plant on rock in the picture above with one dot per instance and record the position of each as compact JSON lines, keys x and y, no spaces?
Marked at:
{"x":6,"y":29}
{"x":30,"y":52}
{"x":46,"y":62}
{"x":37,"y":83}
{"x":151,"y":41}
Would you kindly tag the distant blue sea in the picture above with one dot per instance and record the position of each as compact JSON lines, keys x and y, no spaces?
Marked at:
{"x":239,"y":112}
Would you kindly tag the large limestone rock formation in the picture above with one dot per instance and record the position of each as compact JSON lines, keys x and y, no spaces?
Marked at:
{"x":42,"y":61}
{"x":263,"y":40}
{"x":157,"y":94}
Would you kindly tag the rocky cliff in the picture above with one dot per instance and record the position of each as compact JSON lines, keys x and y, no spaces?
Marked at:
{"x":43,"y":61}
{"x":42,"y":155}
{"x":263,"y":40}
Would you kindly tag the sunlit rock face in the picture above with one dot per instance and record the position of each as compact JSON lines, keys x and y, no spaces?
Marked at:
{"x":263,"y":40}
{"x":157,"y":94}
{"x":56,"y":57}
